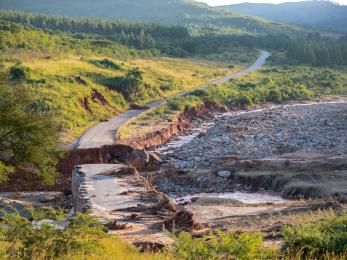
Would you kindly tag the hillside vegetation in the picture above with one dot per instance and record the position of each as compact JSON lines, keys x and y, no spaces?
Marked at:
{"x":321,"y":15}
{"x":199,"y":16}
{"x":84,"y":238}
{"x":81,"y":81}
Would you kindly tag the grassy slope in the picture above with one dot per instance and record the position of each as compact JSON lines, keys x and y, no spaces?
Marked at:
{"x":64,"y":92}
{"x":63,"y":77}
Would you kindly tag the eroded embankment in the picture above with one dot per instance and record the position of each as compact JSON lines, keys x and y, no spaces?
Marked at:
{"x":117,"y":153}
{"x":184,"y":123}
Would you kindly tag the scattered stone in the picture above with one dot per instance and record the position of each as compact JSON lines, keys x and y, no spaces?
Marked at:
{"x":224,"y":174}
{"x":148,"y":246}
{"x":113,"y":225}
{"x":138,"y":158}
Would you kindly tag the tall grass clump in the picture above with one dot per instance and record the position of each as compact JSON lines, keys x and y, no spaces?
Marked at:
{"x":320,"y":240}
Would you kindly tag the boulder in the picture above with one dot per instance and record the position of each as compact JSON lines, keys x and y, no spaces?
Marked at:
{"x":224,"y":174}
{"x":138,"y":158}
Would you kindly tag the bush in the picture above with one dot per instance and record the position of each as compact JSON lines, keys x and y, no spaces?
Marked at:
{"x":19,"y":72}
{"x":198,"y":93}
{"x":108,"y":64}
{"x":222,"y":246}
{"x":5,"y":171}
{"x":314,"y":240}
{"x":82,"y":238}
{"x":244,"y":100}
{"x":29,"y":240}
{"x":176,"y":105}
{"x":274,"y":96}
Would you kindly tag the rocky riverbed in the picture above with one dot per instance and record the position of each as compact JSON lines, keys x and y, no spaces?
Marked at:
{"x":319,"y":127}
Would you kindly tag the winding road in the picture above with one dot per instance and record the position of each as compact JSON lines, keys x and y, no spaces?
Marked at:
{"x":103,"y":133}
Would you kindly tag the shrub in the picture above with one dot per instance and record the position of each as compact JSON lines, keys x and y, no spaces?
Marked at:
{"x":314,"y":240}
{"x":5,"y":171}
{"x":274,"y":95}
{"x":198,"y":93}
{"x":29,"y":240}
{"x":176,"y":105}
{"x":244,"y":100}
{"x":108,"y":64}
{"x":19,"y":72}
{"x":222,"y":246}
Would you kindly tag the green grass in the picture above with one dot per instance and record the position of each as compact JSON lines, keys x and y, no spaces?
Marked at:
{"x":326,"y":239}
{"x":62,"y":81}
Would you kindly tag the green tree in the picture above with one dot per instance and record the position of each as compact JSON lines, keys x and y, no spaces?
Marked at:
{"x":28,"y":138}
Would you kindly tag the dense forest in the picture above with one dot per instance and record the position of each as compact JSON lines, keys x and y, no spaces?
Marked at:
{"x":321,"y":15}
{"x":312,"y":50}
{"x":184,"y":41}
{"x":180,"y":12}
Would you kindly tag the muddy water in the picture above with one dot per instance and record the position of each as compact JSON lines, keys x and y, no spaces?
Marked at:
{"x":247,"y":198}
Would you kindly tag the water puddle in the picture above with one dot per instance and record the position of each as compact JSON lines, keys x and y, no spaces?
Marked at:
{"x":247,"y":198}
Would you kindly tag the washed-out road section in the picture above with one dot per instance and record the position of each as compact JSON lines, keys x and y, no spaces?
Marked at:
{"x":103,"y":133}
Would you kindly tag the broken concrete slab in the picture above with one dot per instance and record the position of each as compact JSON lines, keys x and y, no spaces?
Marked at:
{"x":116,"y":193}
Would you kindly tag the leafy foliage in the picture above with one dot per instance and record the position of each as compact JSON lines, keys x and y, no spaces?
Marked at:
{"x":61,"y":237}
{"x":19,"y":72}
{"x":222,"y":246}
{"x":27,"y":138}
{"x":316,"y":240}
{"x":108,"y":64}
{"x":133,"y":86}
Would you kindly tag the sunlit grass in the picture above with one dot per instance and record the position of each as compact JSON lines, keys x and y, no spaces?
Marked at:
{"x":65,"y":81}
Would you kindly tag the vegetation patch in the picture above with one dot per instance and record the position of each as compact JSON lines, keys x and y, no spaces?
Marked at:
{"x":321,"y":240}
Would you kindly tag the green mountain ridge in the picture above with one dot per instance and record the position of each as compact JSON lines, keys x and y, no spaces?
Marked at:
{"x":181,"y":12}
{"x":321,"y":15}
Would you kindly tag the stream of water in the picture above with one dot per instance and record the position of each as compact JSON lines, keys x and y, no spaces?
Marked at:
{"x":247,"y":198}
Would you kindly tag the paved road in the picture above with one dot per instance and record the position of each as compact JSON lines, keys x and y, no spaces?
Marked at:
{"x":103,"y":133}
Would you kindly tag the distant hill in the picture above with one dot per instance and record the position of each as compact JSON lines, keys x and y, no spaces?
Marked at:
{"x":159,"y":11}
{"x":170,"y":11}
{"x":322,"y":15}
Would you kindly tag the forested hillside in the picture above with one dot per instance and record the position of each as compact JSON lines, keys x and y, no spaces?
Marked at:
{"x":187,"y":41}
{"x":322,"y":15}
{"x":160,"y":11}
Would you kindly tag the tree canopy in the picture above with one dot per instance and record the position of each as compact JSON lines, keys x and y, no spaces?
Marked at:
{"x":28,"y":138}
